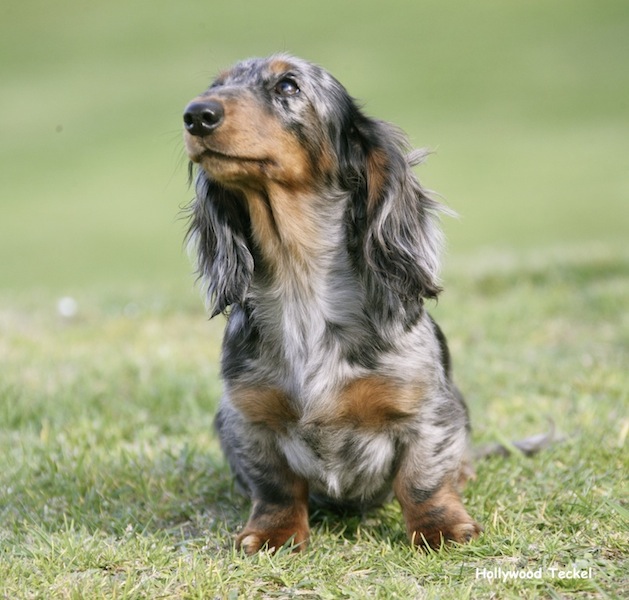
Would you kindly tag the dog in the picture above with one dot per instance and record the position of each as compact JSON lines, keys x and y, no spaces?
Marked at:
{"x":315,"y":238}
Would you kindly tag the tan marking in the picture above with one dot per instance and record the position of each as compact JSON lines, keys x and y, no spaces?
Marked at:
{"x":270,"y":168}
{"x":264,"y":224}
{"x":279,"y":66}
{"x":287,"y":231}
{"x":440,"y":519}
{"x":261,"y":150}
{"x":271,"y":526}
{"x":371,"y":402}
{"x":326,"y":162}
{"x":265,"y":405}
{"x":377,"y":164}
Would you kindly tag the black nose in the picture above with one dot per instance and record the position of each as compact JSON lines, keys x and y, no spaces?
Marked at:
{"x":201,"y":118}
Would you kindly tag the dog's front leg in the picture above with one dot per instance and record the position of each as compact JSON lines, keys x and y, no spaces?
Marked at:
{"x":277,"y":518}
{"x":279,"y":514}
{"x":428,"y":485}
{"x":435,"y":516}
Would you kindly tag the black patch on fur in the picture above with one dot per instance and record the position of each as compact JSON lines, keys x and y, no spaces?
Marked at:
{"x":221,"y":228}
{"x":419,"y":496}
{"x":386,"y":240}
{"x":241,"y":343}
{"x":363,"y":350}
{"x":443,"y":347}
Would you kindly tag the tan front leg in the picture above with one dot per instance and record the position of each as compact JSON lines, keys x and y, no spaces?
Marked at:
{"x":272,"y":525}
{"x":435,"y":517}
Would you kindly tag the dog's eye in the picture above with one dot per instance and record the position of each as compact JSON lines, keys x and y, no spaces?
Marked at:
{"x":287,"y":87}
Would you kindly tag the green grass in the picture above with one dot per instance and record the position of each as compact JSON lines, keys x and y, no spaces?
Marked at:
{"x":112,"y":484}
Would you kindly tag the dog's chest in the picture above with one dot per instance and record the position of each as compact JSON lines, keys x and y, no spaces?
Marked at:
{"x":342,"y":463}
{"x":338,"y":424}
{"x":305,"y":321}
{"x":346,"y":444}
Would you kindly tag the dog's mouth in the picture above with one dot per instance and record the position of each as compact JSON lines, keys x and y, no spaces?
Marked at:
{"x":199,"y":152}
{"x":223,"y":156}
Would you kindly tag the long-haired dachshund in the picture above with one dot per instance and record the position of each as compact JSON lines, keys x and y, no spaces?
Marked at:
{"x":317,"y":240}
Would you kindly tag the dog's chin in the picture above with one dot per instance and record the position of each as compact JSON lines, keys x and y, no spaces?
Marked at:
{"x":232,"y":169}
{"x":237,"y":168}
{"x":201,"y":149}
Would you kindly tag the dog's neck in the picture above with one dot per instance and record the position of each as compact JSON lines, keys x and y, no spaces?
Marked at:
{"x":296,"y":231}
{"x":306,"y":283}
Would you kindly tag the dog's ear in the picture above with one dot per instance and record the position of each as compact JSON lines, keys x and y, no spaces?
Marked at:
{"x":219,"y":233}
{"x":392,"y":231}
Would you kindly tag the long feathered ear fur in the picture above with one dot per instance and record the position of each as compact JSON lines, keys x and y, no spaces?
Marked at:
{"x":392,"y":226}
{"x":219,"y":233}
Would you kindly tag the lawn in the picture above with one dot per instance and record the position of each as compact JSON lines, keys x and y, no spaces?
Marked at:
{"x":112,"y":484}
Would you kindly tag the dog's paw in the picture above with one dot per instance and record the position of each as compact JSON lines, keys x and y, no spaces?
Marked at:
{"x":462,"y":533}
{"x":251,"y":541}
{"x":438,"y":518}
{"x":434,"y":535}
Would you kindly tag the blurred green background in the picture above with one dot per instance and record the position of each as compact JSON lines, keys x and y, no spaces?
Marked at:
{"x":526,"y":105}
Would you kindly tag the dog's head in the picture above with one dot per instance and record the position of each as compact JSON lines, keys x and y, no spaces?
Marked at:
{"x":278,"y":120}
{"x":285,"y":124}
